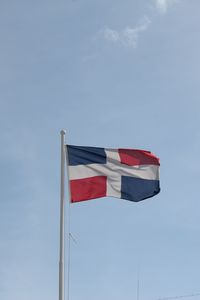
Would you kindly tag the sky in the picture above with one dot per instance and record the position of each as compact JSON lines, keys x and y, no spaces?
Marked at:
{"x":113,"y":74}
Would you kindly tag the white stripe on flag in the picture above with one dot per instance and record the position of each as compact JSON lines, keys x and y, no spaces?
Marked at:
{"x":113,"y":170}
{"x":113,"y":182}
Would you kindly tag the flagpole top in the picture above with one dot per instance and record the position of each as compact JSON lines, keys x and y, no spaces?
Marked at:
{"x":62,"y":132}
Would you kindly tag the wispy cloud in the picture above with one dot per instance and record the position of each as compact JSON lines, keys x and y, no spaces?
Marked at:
{"x":127,"y":37}
{"x":163,"y":5}
{"x":111,"y":35}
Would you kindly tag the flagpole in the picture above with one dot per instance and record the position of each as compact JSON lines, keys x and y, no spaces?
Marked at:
{"x":62,"y":218}
{"x":68,"y":229}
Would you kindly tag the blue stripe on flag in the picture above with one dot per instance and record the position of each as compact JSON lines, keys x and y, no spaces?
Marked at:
{"x":137,"y":189}
{"x":79,"y":155}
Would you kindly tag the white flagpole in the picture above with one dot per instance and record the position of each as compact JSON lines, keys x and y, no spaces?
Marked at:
{"x":62,"y":219}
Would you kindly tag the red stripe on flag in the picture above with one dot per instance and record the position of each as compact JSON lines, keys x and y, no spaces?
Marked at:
{"x":137,"y":157}
{"x":88,"y":188}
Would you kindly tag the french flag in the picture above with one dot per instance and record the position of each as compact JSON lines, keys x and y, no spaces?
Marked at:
{"x":122,"y":173}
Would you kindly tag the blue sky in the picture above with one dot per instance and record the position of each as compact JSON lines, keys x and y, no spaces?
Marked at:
{"x":113,"y":74}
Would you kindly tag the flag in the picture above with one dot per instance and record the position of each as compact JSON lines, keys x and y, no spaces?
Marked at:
{"x":122,"y":173}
